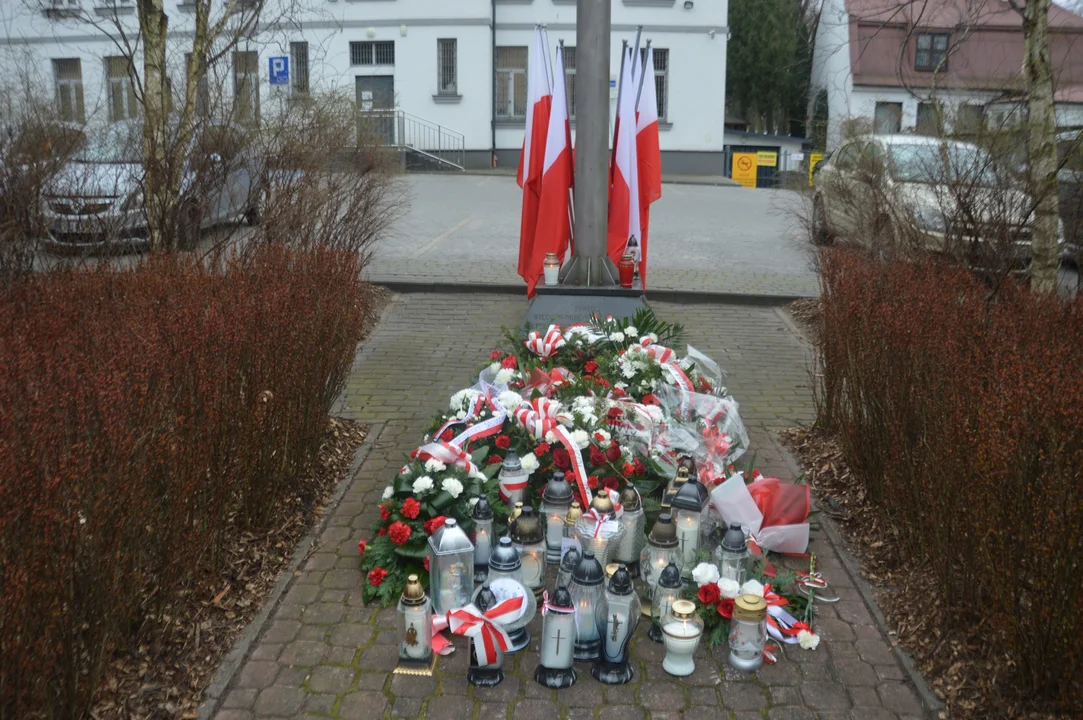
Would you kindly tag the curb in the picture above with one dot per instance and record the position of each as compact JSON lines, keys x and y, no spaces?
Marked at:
{"x":234,"y":660}
{"x":681,"y":297}
{"x":708,"y":181}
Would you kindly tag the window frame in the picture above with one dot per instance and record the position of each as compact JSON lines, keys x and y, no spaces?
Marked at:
{"x":123,"y":85}
{"x":936,"y":60}
{"x":661,"y":84}
{"x":876,"y":122}
{"x":299,"y":70}
{"x":253,"y":92}
{"x":366,"y":53}
{"x":569,"y":79}
{"x":443,"y":87}
{"x":72,"y":86}
{"x":511,"y":77}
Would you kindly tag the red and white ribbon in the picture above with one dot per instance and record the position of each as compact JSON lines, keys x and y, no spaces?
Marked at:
{"x":483,"y":628}
{"x":546,"y":382}
{"x":604,"y":521}
{"x":480,"y":430}
{"x":545,"y":346}
{"x":548,"y":607}
{"x":668,"y":359}
{"x":447,"y":453}
{"x":506,"y":486}
{"x":539,"y":416}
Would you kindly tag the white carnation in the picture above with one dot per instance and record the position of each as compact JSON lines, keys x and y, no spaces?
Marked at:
{"x":529,"y":462}
{"x":752,"y":587}
{"x":621,"y":385}
{"x":652,"y":336}
{"x":495,"y":368}
{"x":631,"y":331}
{"x":729,"y":588}
{"x":581,"y":438}
{"x":422,"y":485}
{"x":462,"y":398}
{"x":433,"y":465}
{"x":705,"y":574}
{"x":509,"y":399}
{"x":504,"y":376}
{"x":452,"y":487}
{"x":616,"y":336}
{"x":550,"y":437}
{"x":388,"y":492}
{"x":656,"y":413}
{"x":807,"y":640}
{"x":603,"y":436}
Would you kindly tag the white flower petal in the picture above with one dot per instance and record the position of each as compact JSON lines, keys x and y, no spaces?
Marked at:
{"x":705,"y":574}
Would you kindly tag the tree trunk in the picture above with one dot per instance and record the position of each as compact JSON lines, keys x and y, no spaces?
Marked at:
{"x":1042,"y":145}
{"x":158,"y":190}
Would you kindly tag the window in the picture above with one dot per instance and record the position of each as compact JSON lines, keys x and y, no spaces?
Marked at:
{"x":510,"y":72}
{"x":372,"y":53}
{"x":932,"y":54}
{"x":122,"y":104}
{"x":970,"y":119}
{"x":569,"y":78}
{"x":661,"y":82}
{"x":888,"y":118}
{"x":928,"y":119}
{"x":69,"y":89}
{"x":299,"y":71}
{"x":203,"y":92}
{"x":447,"y":60}
{"x":246,"y":86}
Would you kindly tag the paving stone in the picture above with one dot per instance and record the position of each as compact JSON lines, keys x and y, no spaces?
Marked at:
{"x":412,"y":686}
{"x":580,"y":714}
{"x":379,"y":657}
{"x":864,"y":697}
{"x":321,"y":561}
{"x":329,"y":679}
{"x":341,"y":655}
{"x":890,"y":672}
{"x":351,"y":635}
{"x":661,"y":696}
{"x":258,"y":675}
{"x":583,"y":694}
{"x":493,"y":710}
{"x":453,"y":708}
{"x":825,"y":696}
{"x":533,"y":690}
{"x":620,"y":712}
{"x":505,"y":692}
{"x":334,"y":596}
{"x":791,"y":713}
{"x":855,"y":672}
{"x":781,"y":673}
{"x":535,"y":710}
{"x":342,"y":579}
{"x":832,"y":630}
{"x":853,"y":612}
{"x":240,"y":699}
{"x":362,"y":706}
{"x":645,"y":649}
{"x":620,"y":694}
{"x":815,"y":673}
{"x":291,"y":676}
{"x":875,"y":652}
{"x":266,"y":651}
{"x":316,"y":633}
{"x":703,"y":697}
{"x":233,"y":715}
{"x":742,"y":696}
{"x":319,"y":703}
{"x":301,"y":595}
{"x":323,"y":613}
{"x":302,"y":652}
{"x":387,"y":637}
{"x":281,"y":631}
{"x":279,"y":701}
{"x":405,"y":707}
{"x":785,"y":695}
{"x":899,"y":698}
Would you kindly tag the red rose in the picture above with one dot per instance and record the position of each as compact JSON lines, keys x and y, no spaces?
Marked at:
{"x":597,"y":458}
{"x":495,"y":355}
{"x":592,"y":482}
{"x":613,"y":453}
{"x":590,"y":367}
{"x":399,"y":533}
{"x":383,"y":531}
{"x":410,"y":508}
{"x":448,"y":435}
{"x":641,"y":469}
{"x":725,"y":607}
{"x":426,"y":563}
{"x":709,"y":594}
{"x":503,"y":442}
{"x":611,"y":483}
{"x":541,"y":448}
{"x":494,"y":460}
{"x":509,"y":362}
{"x":628,"y":469}
{"x":384,"y":512}
{"x":431,"y":526}
{"x":361,"y":547}
{"x":376,"y":576}
{"x":650,"y":399}
{"x":561,"y":459}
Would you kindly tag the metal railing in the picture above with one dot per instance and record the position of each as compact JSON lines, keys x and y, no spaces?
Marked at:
{"x":434,"y":145}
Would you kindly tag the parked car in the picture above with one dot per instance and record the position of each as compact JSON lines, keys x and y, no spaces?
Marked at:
{"x":96,"y":201}
{"x":1070,"y":182}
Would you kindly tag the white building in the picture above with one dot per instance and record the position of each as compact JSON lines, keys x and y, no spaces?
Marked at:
{"x":457,"y":65}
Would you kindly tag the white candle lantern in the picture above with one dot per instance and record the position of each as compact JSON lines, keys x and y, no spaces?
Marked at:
{"x":557,"y":656}
{"x":662,"y":549}
{"x":483,"y":538}
{"x":528,"y":537}
{"x":551,"y":268}
{"x":681,"y":629}
{"x":512,"y":475}
{"x":616,"y":618}
{"x":506,"y":581}
{"x":555,"y":503}
{"x":748,"y":632}
{"x":587,"y":591}
{"x":415,"y":626}
{"x":598,"y":530}
{"x":634,"y":522}
{"x":667,"y":592}
{"x":733,"y":556}
{"x":451,"y":567}
{"x":568,"y":563}
{"x":689,"y":517}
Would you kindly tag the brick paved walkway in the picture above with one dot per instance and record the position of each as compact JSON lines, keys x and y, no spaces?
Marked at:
{"x":324,"y":654}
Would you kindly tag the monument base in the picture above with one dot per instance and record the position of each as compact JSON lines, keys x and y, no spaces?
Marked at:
{"x":569,"y":304}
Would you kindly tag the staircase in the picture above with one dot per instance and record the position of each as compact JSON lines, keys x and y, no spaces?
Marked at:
{"x":422,"y":144}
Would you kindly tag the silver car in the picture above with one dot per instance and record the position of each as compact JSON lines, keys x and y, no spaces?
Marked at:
{"x":96,"y":201}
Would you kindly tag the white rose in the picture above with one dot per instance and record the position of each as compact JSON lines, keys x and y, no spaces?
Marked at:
{"x":729,"y":588}
{"x":752,"y":587}
{"x":434,"y":465}
{"x":631,"y":331}
{"x":422,"y":485}
{"x":509,"y":399}
{"x":452,"y":486}
{"x":504,"y":376}
{"x":705,"y":574}
{"x":388,"y":492}
{"x":550,"y":437}
{"x":616,"y":337}
{"x":529,"y":462}
{"x":581,"y":438}
{"x":807,"y":640}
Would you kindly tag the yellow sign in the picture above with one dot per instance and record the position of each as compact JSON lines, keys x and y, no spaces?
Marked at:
{"x":744,"y":169}
{"x":766,"y":158}
{"x":813,"y":159}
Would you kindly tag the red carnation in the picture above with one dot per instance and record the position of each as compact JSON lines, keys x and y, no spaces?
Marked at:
{"x":602,"y":381}
{"x":376,"y":576}
{"x":494,"y":460}
{"x":361,"y":546}
{"x":495,"y":355}
{"x":641,"y":469}
{"x":650,"y":399}
{"x":448,"y":435}
{"x":618,"y":392}
{"x":431,"y":526}
{"x":611,"y":483}
{"x":541,"y":448}
{"x":410,"y":508}
{"x":399,"y":533}
{"x":503,"y":442}
{"x":615,"y":413}
{"x":725,"y":607}
{"x":597,"y":458}
{"x":592,"y":482}
{"x":590,"y":367}
{"x":613,"y":453}
{"x":509,"y":362}
{"x":426,"y":563}
{"x":709,"y":594}
{"x":385,"y":514}
{"x":383,"y":531}
{"x":628,"y":469}
{"x":561,"y":459}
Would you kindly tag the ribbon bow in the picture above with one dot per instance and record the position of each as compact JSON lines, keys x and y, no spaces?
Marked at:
{"x":484,"y":629}
{"x":545,"y":346}
{"x":447,"y":453}
{"x":668,"y":360}
{"x":546,"y":382}
{"x":540,"y":417}
{"x":559,"y":609}
{"x":604,"y":521}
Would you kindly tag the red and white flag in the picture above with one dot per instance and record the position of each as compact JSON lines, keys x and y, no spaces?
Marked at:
{"x":648,"y":156}
{"x":551,"y":235}
{"x":531,"y":160}
{"x":624,"y":197}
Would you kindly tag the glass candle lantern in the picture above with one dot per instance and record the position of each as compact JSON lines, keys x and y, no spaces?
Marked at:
{"x":587,"y":590}
{"x":528,"y":537}
{"x":568,"y":563}
{"x":555,"y":503}
{"x":556,"y":660}
{"x":491,"y":672}
{"x":415,"y":625}
{"x":598,"y":531}
{"x":748,"y":632}
{"x":634,"y":522}
{"x":483,"y":538}
{"x":551,"y":267}
{"x":673,"y":486}
{"x":689,"y":464}
{"x":574,"y":513}
{"x":662,"y":549}
{"x":733,"y":556}
{"x":506,"y":581}
{"x":513,"y":479}
{"x":689,"y":518}
{"x":667,"y":592}
{"x":681,"y":630}
{"x":626,"y":269}
{"x":451,"y":567}
{"x":616,"y":618}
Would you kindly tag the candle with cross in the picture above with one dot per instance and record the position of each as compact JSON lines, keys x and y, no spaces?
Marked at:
{"x":556,"y":662}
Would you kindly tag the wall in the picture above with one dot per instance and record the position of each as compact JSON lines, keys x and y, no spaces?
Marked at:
{"x":831,"y":67}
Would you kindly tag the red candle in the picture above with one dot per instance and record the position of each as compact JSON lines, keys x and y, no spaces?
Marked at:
{"x":627,"y":268}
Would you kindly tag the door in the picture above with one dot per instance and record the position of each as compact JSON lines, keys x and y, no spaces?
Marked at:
{"x":376,"y":105}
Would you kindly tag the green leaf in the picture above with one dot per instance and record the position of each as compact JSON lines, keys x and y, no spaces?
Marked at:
{"x":403,"y":484}
{"x":412,"y":551}
{"x":442,"y":500}
{"x":490,"y":471}
{"x":480,"y":454}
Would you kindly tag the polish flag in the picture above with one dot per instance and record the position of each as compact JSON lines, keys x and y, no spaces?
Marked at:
{"x":648,"y":156}
{"x":624,"y":196}
{"x":554,"y":226}
{"x":531,"y":160}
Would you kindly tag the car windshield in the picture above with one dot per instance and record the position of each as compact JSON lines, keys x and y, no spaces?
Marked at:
{"x":119,"y":143}
{"x":926,"y":164}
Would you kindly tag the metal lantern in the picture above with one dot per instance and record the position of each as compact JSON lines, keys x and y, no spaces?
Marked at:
{"x":689,"y":465}
{"x":516,"y":510}
{"x":748,"y":632}
{"x":616,"y":619}
{"x":513,"y":479}
{"x":667,"y":592}
{"x":662,"y":549}
{"x":587,"y":591}
{"x":634,"y":522}
{"x":451,"y":567}
{"x":568,"y":563}
{"x":556,"y":665}
{"x":733,"y":556}
{"x":483,"y":538}
{"x":681,"y":629}
{"x":688,"y":514}
{"x":555,"y":502}
{"x":528,"y":536}
{"x":598,"y":530}
{"x":506,"y":580}
{"x":673,"y":486}
{"x":414,"y":626}
{"x":492,"y":673}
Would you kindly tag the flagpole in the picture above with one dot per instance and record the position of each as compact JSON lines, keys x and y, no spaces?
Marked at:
{"x":616,"y":123}
{"x":568,"y":139}
{"x":642,"y":75}
{"x":635,"y":56}
{"x":548,"y":60}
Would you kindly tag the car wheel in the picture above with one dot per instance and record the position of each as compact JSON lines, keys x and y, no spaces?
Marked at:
{"x":189,"y":219}
{"x":820,"y":234}
{"x":254,"y":214}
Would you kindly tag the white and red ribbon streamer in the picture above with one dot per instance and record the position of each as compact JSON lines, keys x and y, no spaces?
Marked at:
{"x":545,"y":346}
{"x":485,"y":629}
{"x":447,"y":453}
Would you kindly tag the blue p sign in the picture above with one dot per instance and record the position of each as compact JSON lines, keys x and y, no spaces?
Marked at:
{"x":279,"y":70}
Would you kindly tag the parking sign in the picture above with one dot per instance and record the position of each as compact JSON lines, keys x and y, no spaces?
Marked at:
{"x":279,"y":70}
